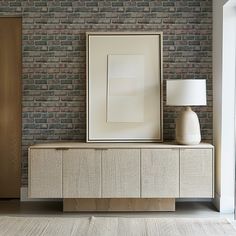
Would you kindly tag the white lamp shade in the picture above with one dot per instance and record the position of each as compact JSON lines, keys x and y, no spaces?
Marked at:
{"x":189,"y":92}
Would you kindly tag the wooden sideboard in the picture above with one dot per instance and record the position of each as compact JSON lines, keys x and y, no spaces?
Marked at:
{"x":120,"y":176}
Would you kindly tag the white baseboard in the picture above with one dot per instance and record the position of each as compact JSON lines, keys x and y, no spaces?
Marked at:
{"x":24,"y":197}
{"x":224,"y":204}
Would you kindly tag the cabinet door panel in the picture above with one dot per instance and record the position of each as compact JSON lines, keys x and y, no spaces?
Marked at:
{"x":196,"y":173}
{"x":121,"y":173}
{"x":160,"y":173}
{"x":82,"y":173}
{"x":45,"y":173}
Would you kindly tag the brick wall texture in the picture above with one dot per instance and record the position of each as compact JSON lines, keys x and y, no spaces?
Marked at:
{"x":54,"y":58}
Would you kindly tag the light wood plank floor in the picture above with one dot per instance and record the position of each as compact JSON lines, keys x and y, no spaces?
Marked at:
{"x":114,"y":226}
{"x":46,"y":218}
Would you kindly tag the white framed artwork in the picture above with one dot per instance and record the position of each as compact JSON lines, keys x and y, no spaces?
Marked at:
{"x":124,"y":87}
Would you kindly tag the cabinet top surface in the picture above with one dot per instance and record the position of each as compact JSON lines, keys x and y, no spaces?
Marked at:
{"x":117,"y":145}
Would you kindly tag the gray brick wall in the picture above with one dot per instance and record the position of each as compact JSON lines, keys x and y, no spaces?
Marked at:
{"x":53,"y":80}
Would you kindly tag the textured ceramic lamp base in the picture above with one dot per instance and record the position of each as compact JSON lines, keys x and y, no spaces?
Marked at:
{"x":188,"y":128}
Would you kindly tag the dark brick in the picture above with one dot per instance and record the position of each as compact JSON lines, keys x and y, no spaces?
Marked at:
{"x":54,"y":57}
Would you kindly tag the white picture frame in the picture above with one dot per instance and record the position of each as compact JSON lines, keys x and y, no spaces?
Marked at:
{"x":124,"y":100}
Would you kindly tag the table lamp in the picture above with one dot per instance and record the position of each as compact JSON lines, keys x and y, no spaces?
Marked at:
{"x":187,"y":92}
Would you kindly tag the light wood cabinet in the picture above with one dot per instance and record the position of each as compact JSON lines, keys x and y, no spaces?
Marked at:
{"x":124,"y":170}
{"x":45,"y":173}
{"x":82,"y":173}
{"x":121,"y":173}
{"x":196,"y":173}
{"x":160,"y":173}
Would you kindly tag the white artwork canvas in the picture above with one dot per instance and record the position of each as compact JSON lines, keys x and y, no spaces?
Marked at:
{"x":124,"y":87}
{"x":125,"y":93}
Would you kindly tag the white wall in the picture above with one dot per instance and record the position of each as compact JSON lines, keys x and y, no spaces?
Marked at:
{"x":224,"y":44}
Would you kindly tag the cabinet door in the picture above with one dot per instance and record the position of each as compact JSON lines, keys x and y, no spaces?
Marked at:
{"x":121,"y":173}
{"x":82,"y":173}
{"x":196,"y":173}
{"x":160,"y":173}
{"x":45,"y":173}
